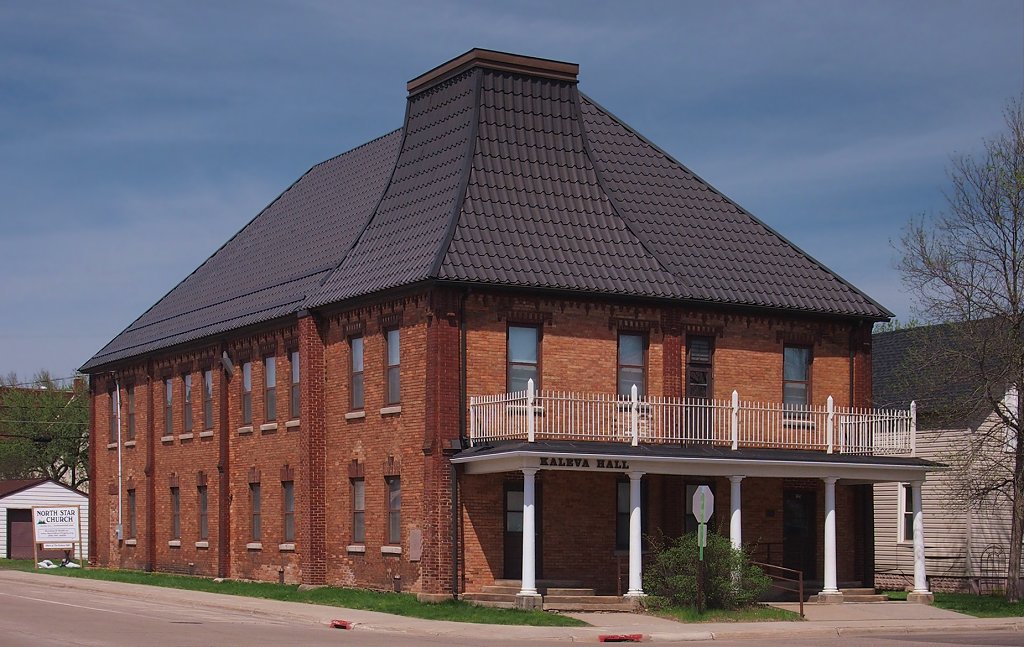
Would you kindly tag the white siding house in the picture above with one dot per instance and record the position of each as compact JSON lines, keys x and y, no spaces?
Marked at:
{"x":967,"y":538}
{"x":17,"y":497}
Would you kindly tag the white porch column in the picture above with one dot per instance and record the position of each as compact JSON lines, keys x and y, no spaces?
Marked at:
{"x":830,"y":592}
{"x":636,"y":588}
{"x":735,"y":520}
{"x":529,"y":585}
{"x":920,"y":592}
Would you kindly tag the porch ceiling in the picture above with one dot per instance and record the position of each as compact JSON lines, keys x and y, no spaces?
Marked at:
{"x":695,"y":460}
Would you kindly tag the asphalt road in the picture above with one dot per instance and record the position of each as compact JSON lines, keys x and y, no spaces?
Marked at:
{"x":44,"y":613}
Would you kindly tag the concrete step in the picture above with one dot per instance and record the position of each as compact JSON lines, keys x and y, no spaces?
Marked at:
{"x":574,"y":592}
{"x":489,"y":597}
{"x":585,"y":603}
{"x":495,"y":588}
{"x":582,"y":599}
{"x":855,"y":597}
{"x":858,"y":591}
{"x":542,"y":584}
{"x":494,"y":605}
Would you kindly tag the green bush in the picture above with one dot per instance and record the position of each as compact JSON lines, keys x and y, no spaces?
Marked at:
{"x":731,"y":581}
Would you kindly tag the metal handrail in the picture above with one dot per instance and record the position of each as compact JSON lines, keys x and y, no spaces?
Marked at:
{"x":798,"y":580}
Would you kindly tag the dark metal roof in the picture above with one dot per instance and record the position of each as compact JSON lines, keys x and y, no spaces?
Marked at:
{"x":503,"y":174}
{"x":710,"y":452}
{"x":269,"y":267}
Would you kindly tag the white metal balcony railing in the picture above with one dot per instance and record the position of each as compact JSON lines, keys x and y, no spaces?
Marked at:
{"x":553,"y":415}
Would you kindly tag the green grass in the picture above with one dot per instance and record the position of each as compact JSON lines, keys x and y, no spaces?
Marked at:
{"x":980,"y":606}
{"x":756,"y":613}
{"x":402,"y":604}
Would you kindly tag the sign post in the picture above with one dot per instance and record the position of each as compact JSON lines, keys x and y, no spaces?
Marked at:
{"x":56,"y":528}
{"x":703,"y":506}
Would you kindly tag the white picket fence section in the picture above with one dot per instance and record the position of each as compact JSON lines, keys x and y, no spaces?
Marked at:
{"x":555,"y":415}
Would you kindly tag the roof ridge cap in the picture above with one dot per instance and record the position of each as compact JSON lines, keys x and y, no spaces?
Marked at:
{"x":742,"y":210}
{"x":459,"y":203}
{"x":599,"y":174}
{"x":373,"y":214}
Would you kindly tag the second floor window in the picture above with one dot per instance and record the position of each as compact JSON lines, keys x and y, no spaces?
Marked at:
{"x":175,"y":513}
{"x":796,"y":377}
{"x":113,"y":415}
{"x":131,"y":413}
{"x":394,"y":366}
{"x":294,"y":396}
{"x":247,"y":393}
{"x":186,"y":405}
{"x":204,"y":512}
{"x":168,"y":407}
{"x":208,"y":399}
{"x":523,"y":358}
{"x":631,"y":362}
{"x":288,"y":505}
{"x":699,"y":353}
{"x":358,"y":511}
{"x":270,"y":383}
{"x":356,"y":383}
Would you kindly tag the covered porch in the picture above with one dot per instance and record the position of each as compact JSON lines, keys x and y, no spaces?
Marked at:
{"x":574,"y":510}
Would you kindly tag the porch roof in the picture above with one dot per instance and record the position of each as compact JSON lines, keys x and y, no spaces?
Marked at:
{"x":693,"y":460}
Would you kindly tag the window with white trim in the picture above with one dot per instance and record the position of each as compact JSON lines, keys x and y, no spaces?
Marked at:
{"x":905,"y":494}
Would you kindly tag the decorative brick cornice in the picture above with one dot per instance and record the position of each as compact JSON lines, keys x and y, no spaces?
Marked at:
{"x":254,"y":475}
{"x":201,"y":478}
{"x":638,"y":325}
{"x":353,"y":328}
{"x":356,"y":470}
{"x":392,"y":467}
{"x":804,"y":338}
{"x":519,"y":315}
{"x":173,"y":480}
{"x":391,"y":319}
{"x":287,"y":473}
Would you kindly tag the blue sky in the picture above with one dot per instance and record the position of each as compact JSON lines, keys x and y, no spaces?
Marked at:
{"x":136,"y":137}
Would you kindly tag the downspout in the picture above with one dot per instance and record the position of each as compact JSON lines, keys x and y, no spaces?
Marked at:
{"x":120,"y":491}
{"x":853,"y":356}
{"x":462,"y":436}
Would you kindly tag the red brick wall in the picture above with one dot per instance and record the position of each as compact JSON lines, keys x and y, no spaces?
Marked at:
{"x":579,"y":342}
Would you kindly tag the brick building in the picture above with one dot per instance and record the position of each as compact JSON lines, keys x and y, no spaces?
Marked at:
{"x":498,"y":343}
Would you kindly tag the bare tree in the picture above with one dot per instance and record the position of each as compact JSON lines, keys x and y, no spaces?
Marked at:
{"x":965,"y":267}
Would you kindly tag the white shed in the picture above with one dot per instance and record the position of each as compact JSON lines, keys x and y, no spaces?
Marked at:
{"x":16,"y":500}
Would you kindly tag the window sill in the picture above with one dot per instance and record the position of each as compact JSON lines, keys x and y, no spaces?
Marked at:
{"x":356,"y":548}
{"x":267,"y":427}
{"x":174,"y":543}
{"x":292,"y":424}
{"x":202,"y":544}
{"x":390,"y":550}
{"x":245,"y":430}
{"x":111,"y":445}
{"x":167,"y":439}
{"x":391,"y":410}
{"x":355,"y":415}
{"x":130,"y":443}
{"x":254,"y":545}
{"x":186,"y":436}
{"x":206,"y":434}
{"x":286,"y":548}
{"x":131,"y":542}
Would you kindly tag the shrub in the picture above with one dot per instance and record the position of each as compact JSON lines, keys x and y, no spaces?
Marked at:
{"x":731,"y":581}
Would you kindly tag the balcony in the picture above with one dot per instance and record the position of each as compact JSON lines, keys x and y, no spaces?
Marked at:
{"x":603,"y":417}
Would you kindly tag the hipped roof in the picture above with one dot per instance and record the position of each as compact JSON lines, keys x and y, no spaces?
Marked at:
{"x":503,"y":174}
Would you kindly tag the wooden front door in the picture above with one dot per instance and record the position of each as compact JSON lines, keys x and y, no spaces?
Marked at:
{"x":800,"y":531}
{"x":513,"y":567}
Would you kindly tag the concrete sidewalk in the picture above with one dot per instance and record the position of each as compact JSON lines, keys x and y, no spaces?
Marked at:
{"x":827,"y":620}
